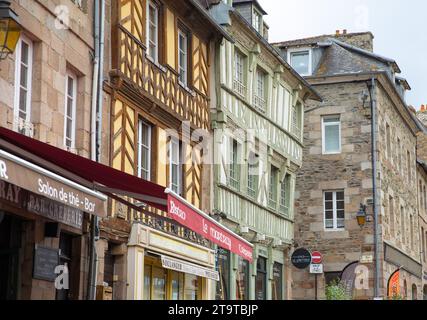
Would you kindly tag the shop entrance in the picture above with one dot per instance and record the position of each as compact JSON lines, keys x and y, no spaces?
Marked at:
{"x":163,"y":284}
{"x":10,"y":245}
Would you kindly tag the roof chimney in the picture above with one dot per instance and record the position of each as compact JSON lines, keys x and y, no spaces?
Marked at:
{"x":423,"y":108}
{"x":337,"y":33}
{"x":344,"y":31}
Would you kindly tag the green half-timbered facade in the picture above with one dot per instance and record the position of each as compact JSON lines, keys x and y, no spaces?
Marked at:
{"x":258,"y":140}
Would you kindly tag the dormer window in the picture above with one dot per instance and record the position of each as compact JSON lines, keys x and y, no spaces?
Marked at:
{"x":300,"y":60}
{"x":257,"y":21}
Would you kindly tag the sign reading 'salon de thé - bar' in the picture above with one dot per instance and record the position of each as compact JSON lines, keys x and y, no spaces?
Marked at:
{"x":28,"y":176}
{"x":199,"y":222}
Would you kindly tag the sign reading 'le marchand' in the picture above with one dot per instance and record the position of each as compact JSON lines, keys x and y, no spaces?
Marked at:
{"x":26,"y":178}
{"x":207,"y":228}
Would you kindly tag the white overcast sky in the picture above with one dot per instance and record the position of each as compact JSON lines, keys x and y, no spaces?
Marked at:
{"x":399,"y":27}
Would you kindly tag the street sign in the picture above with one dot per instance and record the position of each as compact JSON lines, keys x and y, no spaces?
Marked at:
{"x":301,"y":258}
{"x":316,"y":268}
{"x":316,"y":257}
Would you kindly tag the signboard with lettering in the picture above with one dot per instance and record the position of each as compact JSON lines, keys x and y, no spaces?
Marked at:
{"x":45,"y":262}
{"x":58,"y":189}
{"x":41,"y":206}
{"x":316,"y":268}
{"x":184,"y":267}
{"x":301,"y":258}
{"x":208,"y":228}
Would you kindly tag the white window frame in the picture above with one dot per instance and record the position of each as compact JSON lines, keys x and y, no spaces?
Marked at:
{"x":260,"y":25}
{"x":175,"y":142}
{"x":334,"y":210}
{"x":324,"y":124}
{"x":153,"y":5}
{"x":141,"y":146}
{"x":310,"y":59}
{"x":185,"y":53}
{"x":73,"y":76}
{"x":18,"y":57}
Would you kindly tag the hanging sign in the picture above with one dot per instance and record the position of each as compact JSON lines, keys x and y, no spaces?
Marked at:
{"x":301,"y":258}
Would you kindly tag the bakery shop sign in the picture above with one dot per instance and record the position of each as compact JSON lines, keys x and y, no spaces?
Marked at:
{"x":44,"y":183}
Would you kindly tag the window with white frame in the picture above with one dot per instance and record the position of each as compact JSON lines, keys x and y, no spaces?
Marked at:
{"x":253,"y":174}
{"x":175,"y":165}
{"x":296,"y":120}
{"x":272,"y":190}
{"x":259,"y":97}
{"x":183,"y":57}
{"x":388,"y":140}
{"x":23,"y":77}
{"x":301,"y":61}
{"x":239,"y":84}
{"x":153,"y":30}
{"x":257,"y":21}
{"x":331,"y":134}
{"x":234,"y":168}
{"x":334,"y":210}
{"x":70,"y":110}
{"x":285,"y":194}
{"x":144,"y":150}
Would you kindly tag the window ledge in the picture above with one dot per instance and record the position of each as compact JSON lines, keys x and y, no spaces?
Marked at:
{"x":156,"y":63}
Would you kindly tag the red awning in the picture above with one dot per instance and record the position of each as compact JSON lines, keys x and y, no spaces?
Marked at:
{"x":102,"y":178}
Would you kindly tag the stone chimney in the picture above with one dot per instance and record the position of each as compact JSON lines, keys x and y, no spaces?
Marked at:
{"x":422,"y":138}
{"x":363,"y":40}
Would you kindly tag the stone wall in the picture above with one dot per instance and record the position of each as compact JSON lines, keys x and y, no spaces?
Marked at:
{"x":363,"y":40}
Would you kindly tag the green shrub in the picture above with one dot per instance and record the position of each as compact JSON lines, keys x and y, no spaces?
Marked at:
{"x":336,"y":291}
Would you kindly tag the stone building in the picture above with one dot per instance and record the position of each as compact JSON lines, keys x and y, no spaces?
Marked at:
{"x":257,"y":122}
{"x":45,"y":94}
{"x":337,"y":172}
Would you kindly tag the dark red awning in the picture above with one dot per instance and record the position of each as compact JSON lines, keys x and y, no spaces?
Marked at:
{"x":102,"y":178}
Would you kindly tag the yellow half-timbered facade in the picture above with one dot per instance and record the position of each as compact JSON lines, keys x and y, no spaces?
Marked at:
{"x":159,"y":99}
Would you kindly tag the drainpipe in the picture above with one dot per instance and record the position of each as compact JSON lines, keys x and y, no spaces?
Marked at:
{"x":93,"y":259}
{"x":374,"y":186}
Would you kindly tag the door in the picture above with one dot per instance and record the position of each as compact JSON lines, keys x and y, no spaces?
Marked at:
{"x":10,"y":245}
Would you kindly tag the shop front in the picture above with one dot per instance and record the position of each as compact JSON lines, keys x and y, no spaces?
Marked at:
{"x":43,"y":245}
{"x":164,"y":267}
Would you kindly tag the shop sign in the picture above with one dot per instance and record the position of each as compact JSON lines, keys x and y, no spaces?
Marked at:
{"x":301,"y":258}
{"x":184,"y":267}
{"x":316,"y":268}
{"x":41,"y":206}
{"x":22,"y":174}
{"x":201,"y":223}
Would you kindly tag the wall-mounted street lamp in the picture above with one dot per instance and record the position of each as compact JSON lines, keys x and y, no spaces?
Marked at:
{"x":362,"y":215}
{"x":10,"y":29}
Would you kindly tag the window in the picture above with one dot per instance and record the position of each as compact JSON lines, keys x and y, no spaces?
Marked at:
{"x":242,"y":279}
{"x":391,"y":214}
{"x":334,"y":210}
{"x":70,"y":111}
{"x":253,"y":175}
{"x":272,"y":191}
{"x":257,"y":21}
{"x":388,"y":141}
{"x":296,"y":119}
{"x":144,"y":150}
{"x":259,"y":97}
{"x":420,"y":188}
{"x":261,"y":279}
{"x":153,"y":31}
{"x":425,"y":198}
{"x":331,"y":135}
{"x":285,"y":192}
{"x":402,"y":224}
{"x":223,"y":285}
{"x":399,"y":155}
{"x":239,"y":84}
{"x":23,"y":76}
{"x":411,"y":230}
{"x":408,"y":165}
{"x":183,"y":57}
{"x":423,"y":244}
{"x":234,"y":166}
{"x":414,"y":292}
{"x":301,"y":62}
{"x":276,"y":285}
{"x":175,"y":166}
